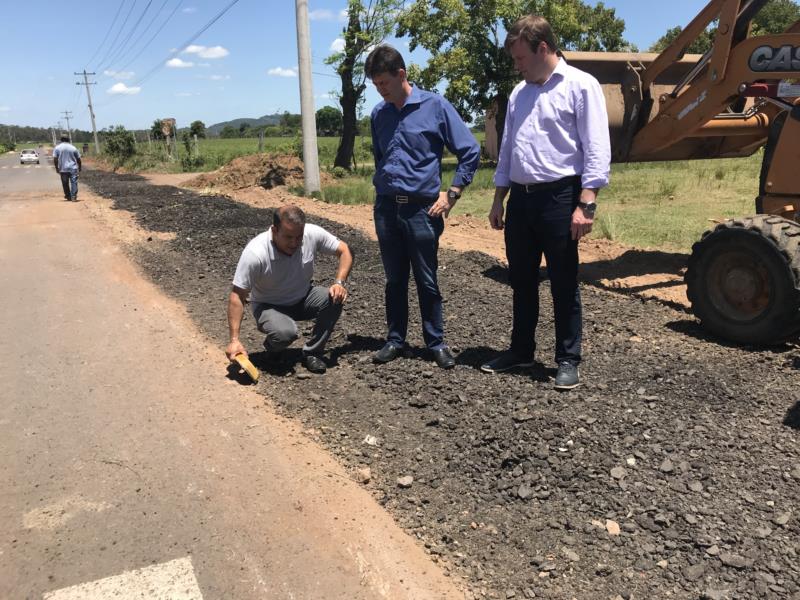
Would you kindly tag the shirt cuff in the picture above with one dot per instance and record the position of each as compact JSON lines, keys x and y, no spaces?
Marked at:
{"x":501,"y":180}
{"x":593,"y":182}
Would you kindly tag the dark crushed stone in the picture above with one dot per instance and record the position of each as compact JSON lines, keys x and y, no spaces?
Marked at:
{"x":728,"y":416}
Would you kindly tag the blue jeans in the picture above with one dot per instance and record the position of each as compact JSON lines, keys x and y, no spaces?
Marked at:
{"x":409,"y":237}
{"x":70,"y":180}
{"x":538,"y":222}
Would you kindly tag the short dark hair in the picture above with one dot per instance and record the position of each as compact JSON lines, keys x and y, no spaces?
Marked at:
{"x":288,"y":214}
{"x":534,"y":30}
{"x":383,"y":59}
{"x":65,"y":138}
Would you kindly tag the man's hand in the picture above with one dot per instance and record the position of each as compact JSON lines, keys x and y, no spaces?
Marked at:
{"x":441,"y":207}
{"x":338,"y":293}
{"x":234,"y":348}
{"x":581,"y":223}
{"x":496,"y":215}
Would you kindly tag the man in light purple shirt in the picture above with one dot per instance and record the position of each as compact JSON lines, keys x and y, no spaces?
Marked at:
{"x":554,"y":158}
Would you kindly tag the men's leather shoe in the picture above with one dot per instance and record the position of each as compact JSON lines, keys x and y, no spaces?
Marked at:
{"x":567,"y":376}
{"x":387,"y":354}
{"x":314,"y":364}
{"x":505,"y":361}
{"x":444,"y":358}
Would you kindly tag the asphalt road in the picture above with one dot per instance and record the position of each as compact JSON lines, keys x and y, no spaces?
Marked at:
{"x":131,"y":466}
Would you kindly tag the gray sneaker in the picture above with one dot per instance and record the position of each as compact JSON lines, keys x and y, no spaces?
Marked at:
{"x":567,"y":376}
{"x":505,"y":361}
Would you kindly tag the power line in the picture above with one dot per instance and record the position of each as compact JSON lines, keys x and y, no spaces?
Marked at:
{"x":116,"y":37}
{"x":108,"y":32}
{"x":182,"y":47}
{"x":150,"y":41}
{"x":121,"y":50}
{"x":142,"y":34}
{"x":187,"y":43}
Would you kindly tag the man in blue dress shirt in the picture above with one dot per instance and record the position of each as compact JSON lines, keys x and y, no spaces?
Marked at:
{"x":555,"y":156}
{"x":410,"y":130}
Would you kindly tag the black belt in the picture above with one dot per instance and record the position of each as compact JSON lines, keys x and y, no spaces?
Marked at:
{"x":530,"y":188}
{"x":408,"y":199}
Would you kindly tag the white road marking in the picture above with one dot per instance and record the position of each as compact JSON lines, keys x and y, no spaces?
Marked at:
{"x":173,"y":580}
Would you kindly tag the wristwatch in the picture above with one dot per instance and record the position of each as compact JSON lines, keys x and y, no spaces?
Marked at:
{"x":588,"y":207}
{"x":453,"y":195}
{"x":338,"y":282}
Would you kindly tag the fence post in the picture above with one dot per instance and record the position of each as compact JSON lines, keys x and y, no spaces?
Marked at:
{"x":196,"y":151}
{"x":261,"y":141}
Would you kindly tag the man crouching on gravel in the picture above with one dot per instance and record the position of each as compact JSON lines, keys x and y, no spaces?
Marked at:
{"x":276,"y":268}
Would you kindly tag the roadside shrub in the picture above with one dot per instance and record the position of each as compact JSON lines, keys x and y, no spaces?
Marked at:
{"x":119,"y":144}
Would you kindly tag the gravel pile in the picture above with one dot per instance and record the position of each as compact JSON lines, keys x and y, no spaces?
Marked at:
{"x":672,"y":472}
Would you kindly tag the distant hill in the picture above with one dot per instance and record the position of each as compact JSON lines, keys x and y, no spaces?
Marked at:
{"x":214,"y":129}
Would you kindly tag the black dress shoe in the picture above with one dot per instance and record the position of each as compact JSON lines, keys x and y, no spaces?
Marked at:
{"x":444,"y":358}
{"x":387,"y":354}
{"x":314,"y":364}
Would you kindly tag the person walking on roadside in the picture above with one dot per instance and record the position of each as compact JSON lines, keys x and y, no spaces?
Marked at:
{"x":67,"y":161}
{"x":410,"y":129}
{"x":554,"y":157}
{"x":275,"y":269}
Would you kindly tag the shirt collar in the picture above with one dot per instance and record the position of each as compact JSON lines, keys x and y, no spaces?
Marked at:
{"x":415,"y":97}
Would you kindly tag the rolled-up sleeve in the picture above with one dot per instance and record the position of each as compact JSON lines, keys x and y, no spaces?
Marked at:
{"x":460,"y":141}
{"x":592,"y":122}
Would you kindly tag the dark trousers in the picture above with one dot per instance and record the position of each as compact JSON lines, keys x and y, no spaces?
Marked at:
{"x":409,"y":239}
{"x":69,"y":179}
{"x":538,"y":222}
{"x":278,"y":322}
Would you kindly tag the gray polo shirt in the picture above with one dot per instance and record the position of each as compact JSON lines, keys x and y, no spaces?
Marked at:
{"x":67,"y":156}
{"x":275,"y":278}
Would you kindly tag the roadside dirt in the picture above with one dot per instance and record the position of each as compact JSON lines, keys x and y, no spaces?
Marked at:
{"x":672,"y":472}
{"x":643,"y":273}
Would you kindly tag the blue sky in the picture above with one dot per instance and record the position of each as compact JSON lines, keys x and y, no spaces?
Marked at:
{"x":244,"y":65}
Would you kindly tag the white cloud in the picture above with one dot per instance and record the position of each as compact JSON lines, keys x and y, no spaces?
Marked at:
{"x":207,"y":52}
{"x":5,"y":108}
{"x":121,"y":88}
{"x":219,"y":77}
{"x":177,"y":63}
{"x":185,"y":94}
{"x":189,"y":10}
{"x":343,"y":16}
{"x":321,"y":14}
{"x":119,"y":74}
{"x":337,"y":45}
{"x":281,"y":72}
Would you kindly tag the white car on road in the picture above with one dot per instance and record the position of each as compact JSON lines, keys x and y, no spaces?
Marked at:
{"x":28,"y":156}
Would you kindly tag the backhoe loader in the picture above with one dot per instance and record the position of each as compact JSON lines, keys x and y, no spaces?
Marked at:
{"x":743,"y":277}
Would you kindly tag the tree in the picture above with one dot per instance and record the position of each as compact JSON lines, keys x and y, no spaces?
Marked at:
{"x":774,"y":17}
{"x":155,"y":130}
{"x":229,"y":131}
{"x":290,"y":124}
{"x":329,"y":121}
{"x":465,"y":40}
{"x":244,"y":130}
{"x":119,"y":143}
{"x":367,"y":25}
{"x":197,"y":128}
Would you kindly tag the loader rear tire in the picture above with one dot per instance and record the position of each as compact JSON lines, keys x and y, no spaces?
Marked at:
{"x":743,"y":280}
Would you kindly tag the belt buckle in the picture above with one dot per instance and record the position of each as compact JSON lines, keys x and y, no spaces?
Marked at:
{"x":401,"y":199}
{"x":530,"y":188}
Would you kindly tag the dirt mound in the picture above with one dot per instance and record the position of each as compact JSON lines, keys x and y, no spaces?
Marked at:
{"x":264,"y":170}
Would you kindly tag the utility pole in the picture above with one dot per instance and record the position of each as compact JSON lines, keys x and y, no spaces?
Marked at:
{"x":91,"y":110}
{"x":68,"y":115}
{"x":310,"y":153}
